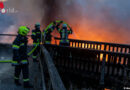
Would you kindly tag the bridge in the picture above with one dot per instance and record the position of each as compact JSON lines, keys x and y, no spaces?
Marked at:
{"x":84,"y":65}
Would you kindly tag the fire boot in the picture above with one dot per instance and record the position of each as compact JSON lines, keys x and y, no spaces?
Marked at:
{"x":17,"y":83}
{"x":27,"y":85}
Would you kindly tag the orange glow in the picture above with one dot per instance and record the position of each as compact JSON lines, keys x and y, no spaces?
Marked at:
{"x":101,"y":57}
{"x":87,"y":31}
{"x":107,"y":89}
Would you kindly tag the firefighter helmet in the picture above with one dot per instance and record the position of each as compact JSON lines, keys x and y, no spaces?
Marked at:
{"x":64,"y":25}
{"x":23,"y":30}
{"x":37,"y":24}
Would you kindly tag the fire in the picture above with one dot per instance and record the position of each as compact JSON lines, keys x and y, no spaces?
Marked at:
{"x":95,"y":34}
{"x":107,"y":89}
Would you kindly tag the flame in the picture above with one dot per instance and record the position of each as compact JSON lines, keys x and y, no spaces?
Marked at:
{"x":96,"y":34}
{"x":107,"y":89}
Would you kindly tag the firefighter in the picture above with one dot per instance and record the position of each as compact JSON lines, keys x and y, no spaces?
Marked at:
{"x":20,"y":58}
{"x":36,"y":36}
{"x":47,"y":32}
{"x":64,"y":32}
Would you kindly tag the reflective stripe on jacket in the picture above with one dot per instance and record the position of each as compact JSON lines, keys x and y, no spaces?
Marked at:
{"x":19,"y":50}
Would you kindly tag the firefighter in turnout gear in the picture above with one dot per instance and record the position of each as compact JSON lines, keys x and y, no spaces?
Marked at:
{"x":36,"y":36}
{"x":64,"y":32}
{"x":47,"y":32}
{"x":20,"y":58}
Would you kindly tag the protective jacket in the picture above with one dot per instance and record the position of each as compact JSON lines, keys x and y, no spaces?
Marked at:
{"x":47,"y":33}
{"x":64,"y":32}
{"x":36,"y":36}
{"x":20,"y":50}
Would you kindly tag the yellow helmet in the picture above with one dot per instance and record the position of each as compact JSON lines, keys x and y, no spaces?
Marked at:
{"x":23,"y":30}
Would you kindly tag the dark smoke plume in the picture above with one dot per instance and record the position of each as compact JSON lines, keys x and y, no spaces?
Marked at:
{"x":98,"y":20}
{"x":52,"y":11}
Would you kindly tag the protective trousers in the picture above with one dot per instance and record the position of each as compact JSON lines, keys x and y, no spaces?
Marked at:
{"x":25,"y":71}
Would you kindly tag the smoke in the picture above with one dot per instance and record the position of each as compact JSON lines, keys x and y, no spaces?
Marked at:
{"x":28,"y":11}
{"x":98,"y":20}
{"x":19,"y":12}
{"x":5,"y":22}
{"x":52,"y":10}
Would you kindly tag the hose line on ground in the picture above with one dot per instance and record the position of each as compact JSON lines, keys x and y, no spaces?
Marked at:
{"x":10,"y":61}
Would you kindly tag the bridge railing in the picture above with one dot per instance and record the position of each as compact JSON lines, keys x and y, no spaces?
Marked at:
{"x":112,"y":47}
{"x":103,"y":64}
{"x":8,"y":38}
{"x":55,"y":79}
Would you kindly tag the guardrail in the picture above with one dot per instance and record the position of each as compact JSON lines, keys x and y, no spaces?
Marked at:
{"x":55,"y":79}
{"x":112,"y":47}
{"x":10,"y":35}
{"x":103,"y":64}
{"x":8,"y":38}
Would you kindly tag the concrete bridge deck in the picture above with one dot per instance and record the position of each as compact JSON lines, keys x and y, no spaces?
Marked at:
{"x":7,"y":72}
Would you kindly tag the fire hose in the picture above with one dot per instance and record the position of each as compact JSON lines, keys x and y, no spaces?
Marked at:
{"x":10,"y":61}
{"x":57,"y":21}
